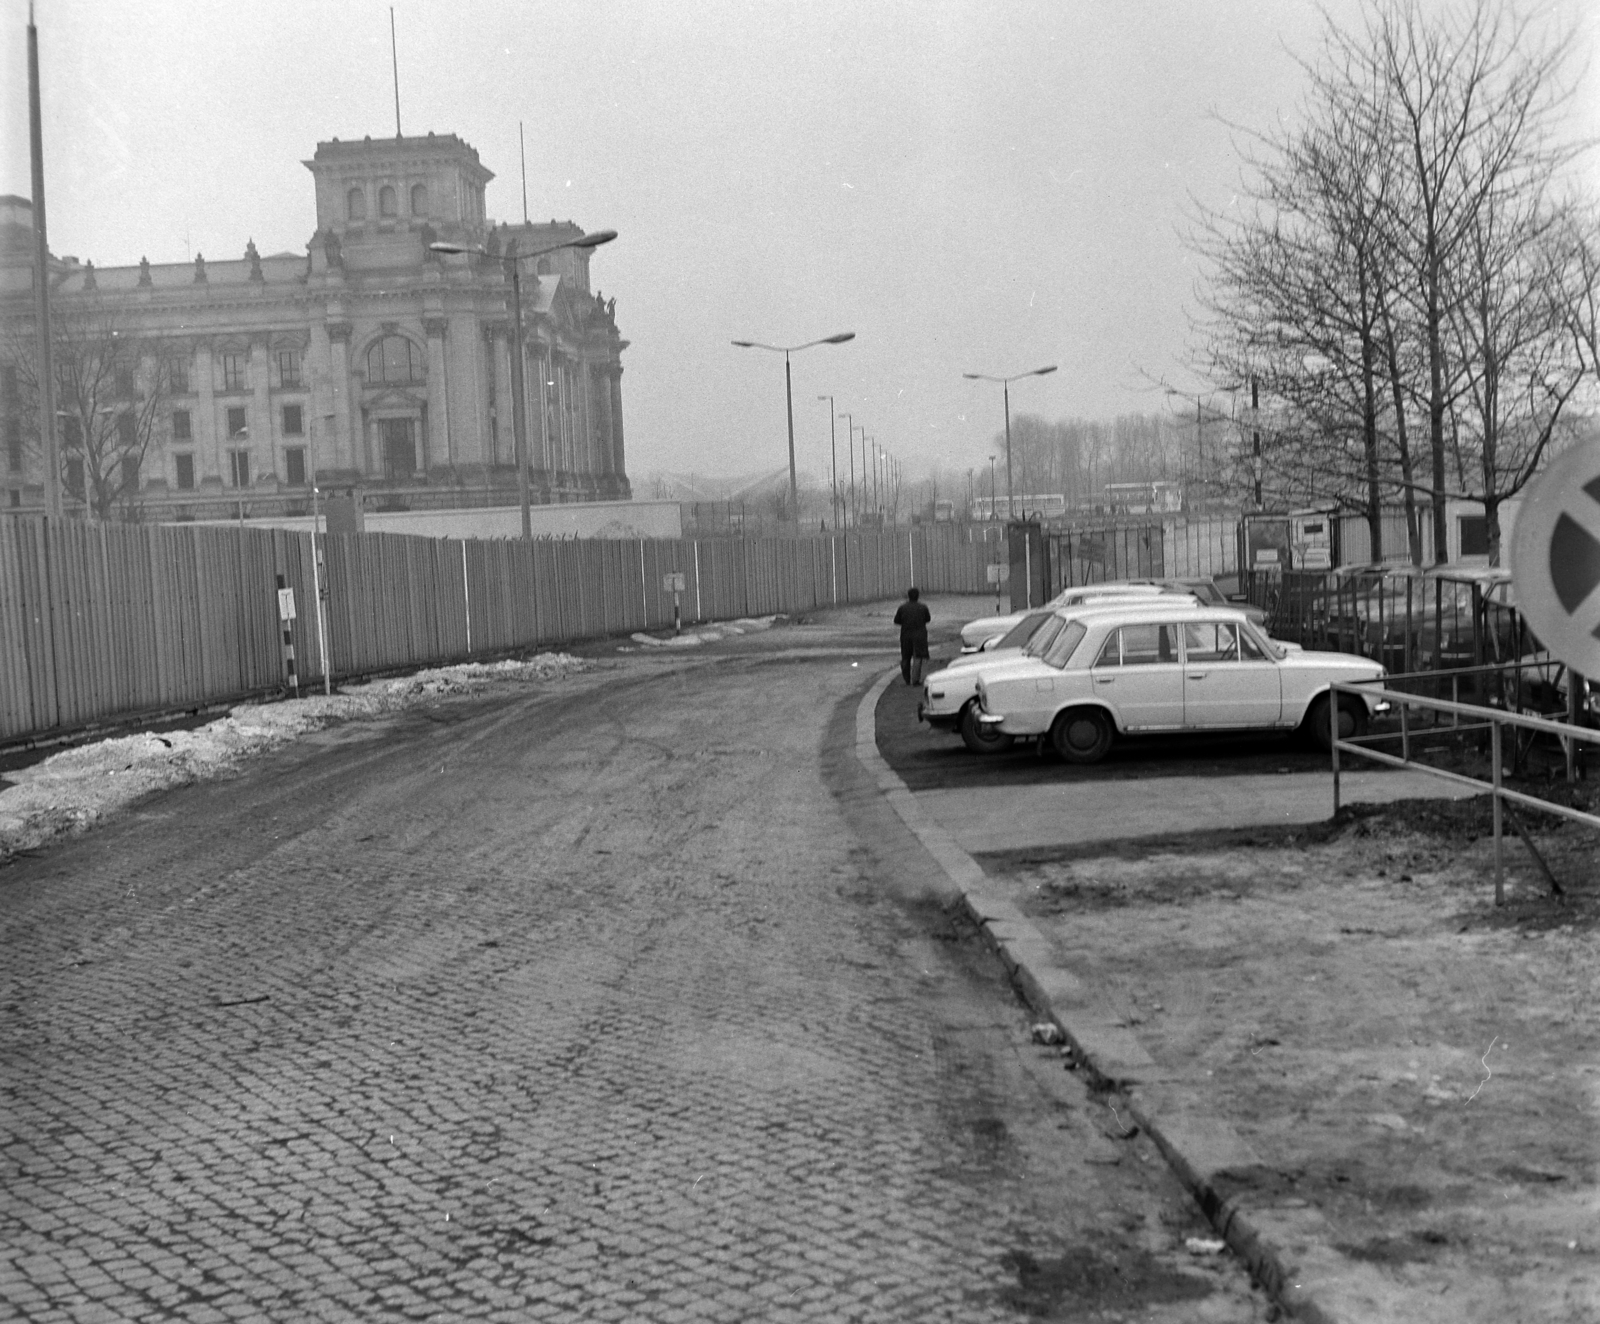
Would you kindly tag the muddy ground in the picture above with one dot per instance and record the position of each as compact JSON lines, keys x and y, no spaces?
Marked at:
{"x":1403,"y":1054}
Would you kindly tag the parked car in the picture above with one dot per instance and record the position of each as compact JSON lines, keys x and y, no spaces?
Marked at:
{"x":1428,"y":618}
{"x":950,"y":696}
{"x":1157,"y":666}
{"x":1206,"y":591}
{"x":989,"y":630}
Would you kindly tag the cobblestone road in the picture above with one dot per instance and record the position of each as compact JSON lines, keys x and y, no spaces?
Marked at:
{"x":605,"y":1003}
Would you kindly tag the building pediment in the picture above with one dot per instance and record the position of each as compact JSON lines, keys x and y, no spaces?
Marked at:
{"x":393,"y":397}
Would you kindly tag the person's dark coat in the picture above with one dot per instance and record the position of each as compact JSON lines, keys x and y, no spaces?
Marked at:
{"x":913,"y":618}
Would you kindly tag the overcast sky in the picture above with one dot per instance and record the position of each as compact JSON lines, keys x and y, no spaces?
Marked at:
{"x":968,"y":186}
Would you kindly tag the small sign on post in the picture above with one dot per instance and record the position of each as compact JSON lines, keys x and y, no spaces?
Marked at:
{"x":998,"y":574}
{"x":675,"y":583}
{"x":286,"y":604}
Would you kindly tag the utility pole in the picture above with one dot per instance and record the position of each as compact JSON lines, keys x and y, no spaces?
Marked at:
{"x":41,"y":288}
{"x":1255,"y":434}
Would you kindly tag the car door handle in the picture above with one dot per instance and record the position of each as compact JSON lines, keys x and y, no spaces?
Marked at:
{"x":1104,"y":680}
{"x":1197,"y":675}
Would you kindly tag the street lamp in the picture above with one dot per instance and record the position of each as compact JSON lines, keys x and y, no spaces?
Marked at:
{"x":833,"y":455}
{"x":1011,"y":499}
{"x":850,"y":447}
{"x":519,"y":421}
{"x":788,"y":396}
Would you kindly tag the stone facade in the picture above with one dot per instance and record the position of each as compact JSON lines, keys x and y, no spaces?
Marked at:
{"x":369,"y":361}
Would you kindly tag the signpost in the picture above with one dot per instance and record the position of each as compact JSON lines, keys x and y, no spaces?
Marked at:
{"x":675,"y":584}
{"x":997,"y":574}
{"x":286,"y":617}
{"x":1555,"y":558}
{"x":1555,"y":570}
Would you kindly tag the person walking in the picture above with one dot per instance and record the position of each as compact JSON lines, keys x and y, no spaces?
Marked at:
{"x":912,"y":618}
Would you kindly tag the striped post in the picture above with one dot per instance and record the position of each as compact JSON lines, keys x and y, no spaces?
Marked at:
{"x":286,"y":619}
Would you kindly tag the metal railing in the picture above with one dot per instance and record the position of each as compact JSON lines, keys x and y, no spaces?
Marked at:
{"x":1465,"y":718}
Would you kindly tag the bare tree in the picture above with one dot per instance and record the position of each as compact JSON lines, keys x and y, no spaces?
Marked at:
{"x":1509,"y":326}
{"x":112,"y":391}
{"x":1466,"y":105}
{"x":1395,"y":256}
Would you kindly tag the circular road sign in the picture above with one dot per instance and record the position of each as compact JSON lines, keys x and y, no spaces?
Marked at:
{"x":1555,"y":558}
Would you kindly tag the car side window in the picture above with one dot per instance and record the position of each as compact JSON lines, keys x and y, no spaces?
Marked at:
{"x":1146,"y":645}
{"x":1249,"y":649}
{"x":1111,"y":651}
{"x":1211,"y":641}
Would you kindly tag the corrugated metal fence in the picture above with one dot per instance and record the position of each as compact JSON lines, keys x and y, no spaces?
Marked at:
{"x":101,"y":621}
{"x":1140,"y":547}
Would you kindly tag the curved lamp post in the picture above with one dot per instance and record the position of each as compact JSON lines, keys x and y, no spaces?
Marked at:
{"x":788,"y":395}
{"x":1011,"y":499}
{"x":519,"y":419}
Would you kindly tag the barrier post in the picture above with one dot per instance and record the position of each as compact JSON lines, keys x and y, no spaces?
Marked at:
{"x":1333,"y":743}
{"x":286,"y":618}
{"x":1499,"y":858}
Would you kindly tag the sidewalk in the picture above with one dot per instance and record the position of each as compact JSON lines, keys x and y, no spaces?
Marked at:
{"x":1382,"y":1090}
{"x":1081,"y":813}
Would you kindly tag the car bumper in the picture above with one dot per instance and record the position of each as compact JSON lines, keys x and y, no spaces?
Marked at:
{"x":940,"y":721}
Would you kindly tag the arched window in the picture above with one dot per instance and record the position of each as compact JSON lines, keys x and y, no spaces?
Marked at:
{"x":419,"y":199}
{"x":386,"y":203}
{"x":356,"y":205}
{"x":394,"y":359}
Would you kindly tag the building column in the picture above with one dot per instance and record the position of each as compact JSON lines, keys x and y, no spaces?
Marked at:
{"x":503,"y":447}
{"x":618,"y":460}
{"x":263,"y":436}
{"x":208,"y":438}
{"x":345,"y":452}
{"x":589,"y":452}
{"x":539,"y":416}
{"x":436,"y":447}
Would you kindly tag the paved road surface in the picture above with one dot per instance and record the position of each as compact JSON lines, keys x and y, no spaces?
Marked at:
{"x":619,"y":1000}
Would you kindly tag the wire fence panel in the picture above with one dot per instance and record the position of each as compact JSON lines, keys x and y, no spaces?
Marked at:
{"x":102,"y":622}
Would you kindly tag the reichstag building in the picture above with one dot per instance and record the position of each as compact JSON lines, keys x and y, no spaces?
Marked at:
{"x":370,"y":361}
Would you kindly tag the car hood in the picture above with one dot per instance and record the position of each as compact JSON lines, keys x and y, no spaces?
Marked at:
{"x":1356,"y":665}
{"x":972,"y":661}
{"x":985,"y":626}
{"x":1014,"y":669}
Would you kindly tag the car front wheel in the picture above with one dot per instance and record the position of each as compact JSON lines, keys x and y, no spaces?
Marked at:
{"x":979,"y":739}
{"x":1082,"y":735}
{"x":1352,"y":721}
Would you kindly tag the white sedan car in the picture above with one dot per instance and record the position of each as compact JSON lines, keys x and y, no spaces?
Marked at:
{"x":989,"y":629}
{"x":950,"y":696}
{"x":1159,"y":667}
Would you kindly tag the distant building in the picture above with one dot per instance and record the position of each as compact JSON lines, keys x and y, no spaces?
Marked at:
{"x":369,"y":360}
{"x":1152,"y":498}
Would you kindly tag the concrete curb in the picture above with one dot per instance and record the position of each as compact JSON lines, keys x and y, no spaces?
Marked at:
{"x":1287,"y":1248}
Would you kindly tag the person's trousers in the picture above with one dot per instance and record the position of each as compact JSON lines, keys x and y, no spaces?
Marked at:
{"x":913,"y":662}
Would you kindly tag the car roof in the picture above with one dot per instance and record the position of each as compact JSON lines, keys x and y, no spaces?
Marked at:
{"x":1150,"y":609}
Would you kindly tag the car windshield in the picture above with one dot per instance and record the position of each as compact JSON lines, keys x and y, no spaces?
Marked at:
{"x":1023,"y":630}
{"x":1061,"y":648}
{"x":1044,"y":637}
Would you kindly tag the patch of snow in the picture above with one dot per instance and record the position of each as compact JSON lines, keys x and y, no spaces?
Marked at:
{"x":73,"y":790}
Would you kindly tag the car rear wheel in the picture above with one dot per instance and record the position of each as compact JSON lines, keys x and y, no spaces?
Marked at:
{"x":1082,"y":735}
{"x":978,"y":739}
{"x":1352,"y":721}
